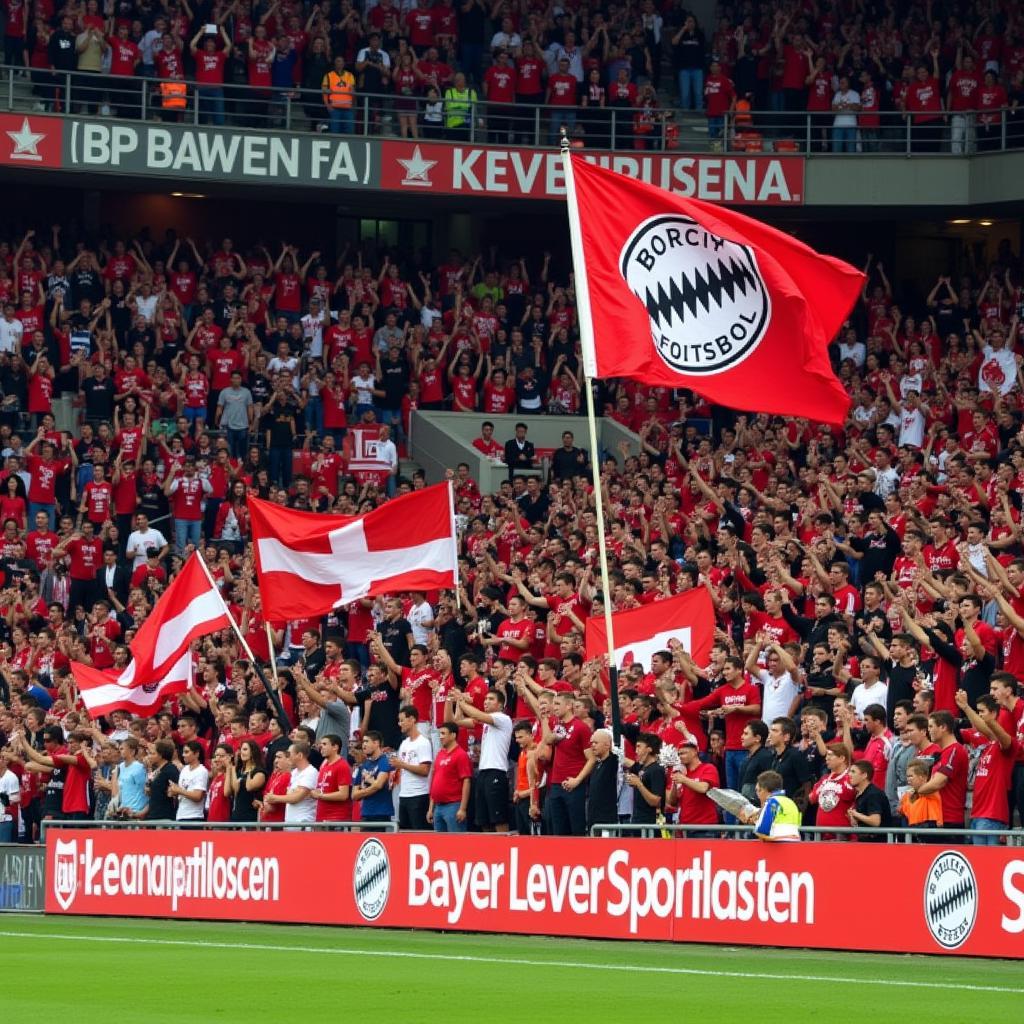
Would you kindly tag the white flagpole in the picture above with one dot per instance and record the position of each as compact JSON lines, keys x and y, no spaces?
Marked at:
{"x":273,"y":653}
{"x":272,"y":692}
{"x":227,"y":610}
{"x":455,"y":544}
{"x":589,"y":374}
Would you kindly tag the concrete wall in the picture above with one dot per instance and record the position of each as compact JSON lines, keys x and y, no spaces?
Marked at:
{"x":441,"y":440}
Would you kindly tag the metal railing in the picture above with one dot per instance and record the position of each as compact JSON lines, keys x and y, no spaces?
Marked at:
{"x":222,"y":826}
{"x":818,"y":833}
{"x":660,"y":130}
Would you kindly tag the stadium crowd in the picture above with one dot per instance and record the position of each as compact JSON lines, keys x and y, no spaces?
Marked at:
{"x":953,"y":73}
{"x":867,"y":581}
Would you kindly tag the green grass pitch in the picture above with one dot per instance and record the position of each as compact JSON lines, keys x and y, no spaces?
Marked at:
{"x":90,"y":970}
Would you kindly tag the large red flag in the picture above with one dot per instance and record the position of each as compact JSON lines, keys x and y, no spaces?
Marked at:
{"x":680,"y":292}
{"x":102,"y":691}
{"x":642,"y":632}
{"x":309,"y":563}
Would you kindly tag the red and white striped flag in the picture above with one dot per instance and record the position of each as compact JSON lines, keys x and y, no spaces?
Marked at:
{"x":189,"y":608}
{"x":309,"y":563}
{"x":161,"y":663}
{"x":103,"y":692}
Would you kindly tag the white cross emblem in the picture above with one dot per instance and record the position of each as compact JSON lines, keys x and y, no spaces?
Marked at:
{"x":350,"y":565}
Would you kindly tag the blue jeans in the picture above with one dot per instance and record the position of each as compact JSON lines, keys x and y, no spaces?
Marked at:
{"x":691,"y":87}
{"x":844,"y":140}
{"x":211,"y":103}
{"x":238,"y":442}
{"x":444,"y":818}
{"x":393,"y":418}
{"x":715,"y":127}
{"x":50,"y":510}
{"x":342,"y":122}
{"x":986,"y":825}
{"x":187,"y":531}
{"x":735,"y":760}
{"x":560,"y":118}
{"x":314,"y":413}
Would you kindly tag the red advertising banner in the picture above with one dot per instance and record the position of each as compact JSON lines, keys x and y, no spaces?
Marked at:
{"x":965,"y":900}
{"x":30,"y":141}
{"x":537,"y":174}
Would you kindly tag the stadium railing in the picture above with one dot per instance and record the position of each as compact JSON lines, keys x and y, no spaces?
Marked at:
{"x":220,"y":826}
{"x":661,"y":130}
{"x":818,"y":833}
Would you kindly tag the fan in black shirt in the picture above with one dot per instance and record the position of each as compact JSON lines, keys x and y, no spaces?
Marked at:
{"x":871,"y":808}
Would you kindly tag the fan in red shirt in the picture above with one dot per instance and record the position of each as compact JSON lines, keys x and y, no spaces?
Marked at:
{"x":500,"y":81}
{"x":923,"y":103}
{"x":419,"y":681}
{"x":833,"y":794}
{"x":719,"y":99}
{"x":514,"y":635}
{"x":97,"y":497}
{"x":278,"y":783}
{"x":949,"y":771}
{"x":86,"y":555}
{"x":450,"y":784}
{"x":569,"y":739}
{"x":690,"y":784}
{"x":333,"y":790}
{"x":992,"y":98}
{"x":992,"y":776}
{"x":498,"y":399}
{"x":736,"y":700}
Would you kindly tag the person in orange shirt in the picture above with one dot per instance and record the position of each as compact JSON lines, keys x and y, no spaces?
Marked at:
{"x":916,"y":810}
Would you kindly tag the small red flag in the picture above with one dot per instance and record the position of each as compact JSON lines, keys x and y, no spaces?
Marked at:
{"x":684,"y":293}
{"x":641,"y":632}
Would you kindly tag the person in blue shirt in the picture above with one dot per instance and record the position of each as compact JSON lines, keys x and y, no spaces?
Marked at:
{"x":130,"y":784}
{"x":371,"y":781}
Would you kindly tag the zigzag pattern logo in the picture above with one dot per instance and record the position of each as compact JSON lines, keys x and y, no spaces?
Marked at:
{"x":953,"y":898}
{"x":368,"y":879}
{"x":686,"y":296}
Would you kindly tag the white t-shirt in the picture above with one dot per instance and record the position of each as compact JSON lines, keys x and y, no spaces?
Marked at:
{"x":865,"y":695}
{"x":9,"y":785}
{"x":418,"y":614}
{"x":912,"y":428}
{"x":192,"y":778}
{"x":364,"y":389}
{"x":417,"y":751}
{"x":845,"y":118}
{"x":495,"y":743}
{"x":778,"y":695}
{"x":138,"y":542}
{"x":304,"y":810}
{"x":998,"y":371}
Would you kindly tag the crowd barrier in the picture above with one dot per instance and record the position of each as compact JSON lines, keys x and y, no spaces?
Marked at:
{"x":873,"y":897}
{"x":661,"y":129}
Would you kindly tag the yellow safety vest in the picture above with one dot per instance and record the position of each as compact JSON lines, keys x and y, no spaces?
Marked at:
{"x":339,"y":90}
{"x":174,"y":95}
{"x":780,"y":819}
{"x":457,"y":106}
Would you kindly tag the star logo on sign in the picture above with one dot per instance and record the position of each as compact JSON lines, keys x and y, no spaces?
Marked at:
{"x":26,"y":142}
{"x":417,"y":170}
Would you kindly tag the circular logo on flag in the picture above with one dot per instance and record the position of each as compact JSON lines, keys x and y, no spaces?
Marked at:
{"x":992,"y":374}
{"x":371,"y":879}
{"x":950,"y":899}
{"x":705,"y":296}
